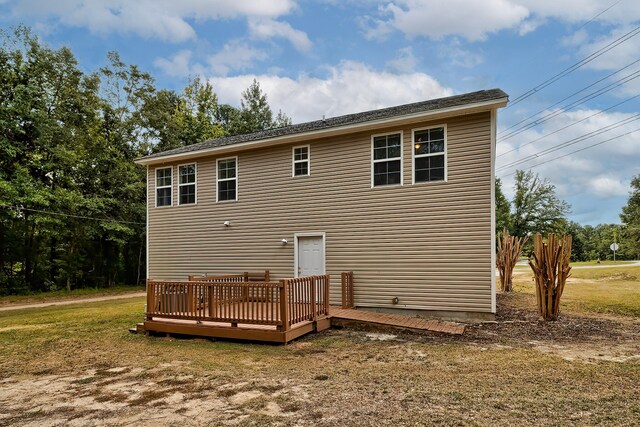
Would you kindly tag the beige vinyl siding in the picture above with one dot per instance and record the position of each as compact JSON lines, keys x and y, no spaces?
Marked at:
{"x":428,"y":244}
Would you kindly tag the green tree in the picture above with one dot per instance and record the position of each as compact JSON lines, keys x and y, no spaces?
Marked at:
{"x":254,"y":114}
{"x":503,"y":209}
{"x":630,"y":216}
{"x":536,"y":207}
{"x":195,"y":117}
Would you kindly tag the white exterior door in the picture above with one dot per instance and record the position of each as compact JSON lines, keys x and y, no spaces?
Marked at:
{"x":310,"y":256}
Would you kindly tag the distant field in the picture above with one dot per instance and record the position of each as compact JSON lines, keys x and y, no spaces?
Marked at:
{"x":524,"y":263}
{"x":64,"y":295}
{"x":577,"y":263}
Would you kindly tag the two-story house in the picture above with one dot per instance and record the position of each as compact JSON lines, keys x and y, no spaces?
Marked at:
{"x":401,"y":196}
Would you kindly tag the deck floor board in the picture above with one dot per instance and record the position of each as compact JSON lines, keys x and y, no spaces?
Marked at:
{"x":397,"y":320}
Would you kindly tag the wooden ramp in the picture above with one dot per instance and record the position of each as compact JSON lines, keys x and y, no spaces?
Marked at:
{"x":396,"y":320}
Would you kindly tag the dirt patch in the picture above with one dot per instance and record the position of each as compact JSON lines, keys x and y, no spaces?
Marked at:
{"x":126,"y":397}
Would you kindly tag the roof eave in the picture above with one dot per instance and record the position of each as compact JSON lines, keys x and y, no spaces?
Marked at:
{"x":332,"y":131}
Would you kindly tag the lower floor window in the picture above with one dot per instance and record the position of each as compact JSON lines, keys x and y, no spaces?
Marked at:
{"x":386,"y":173}
{"x":430,"y":168}
{"x":227,"y":190}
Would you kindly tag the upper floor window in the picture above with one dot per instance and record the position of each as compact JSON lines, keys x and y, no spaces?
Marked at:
{"x":187,"y":184}
{"x":429,"y":154}
{"x":227,"y":181}
{"x":301,"y":160}
{"x":163,"y":186}
{"x":387,"y":159}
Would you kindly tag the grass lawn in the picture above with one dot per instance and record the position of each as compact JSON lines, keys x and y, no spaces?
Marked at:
{"x":79,"y":365}
{"x":65,"y":295}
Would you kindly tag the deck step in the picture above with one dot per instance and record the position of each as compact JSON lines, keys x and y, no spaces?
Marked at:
{"x":138,"y":329}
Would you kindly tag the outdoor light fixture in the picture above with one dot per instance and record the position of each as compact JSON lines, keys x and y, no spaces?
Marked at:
{"x":227,"y":223}
{"x":284,"y":241}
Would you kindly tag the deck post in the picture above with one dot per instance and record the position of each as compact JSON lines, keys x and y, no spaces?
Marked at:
{"x":150,"y":298}
{"x":267,"y":276}
{"x":190,"y":300}
{"x":313,"y":298}
{"x":284,"y":306}
{"x":326,"y":295}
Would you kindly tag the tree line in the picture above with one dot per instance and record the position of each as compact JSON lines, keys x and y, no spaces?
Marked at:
{"x":72,"y":201}
{"x":536,"y":208}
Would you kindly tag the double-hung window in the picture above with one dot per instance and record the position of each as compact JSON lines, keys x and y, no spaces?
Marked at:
{"x":163,"y":186}
{"x":301,"y":161}
{"x":429,"y":154}
{"x":387,"y":159}
{"x":227,"y":181}
{"x":187,"y":184}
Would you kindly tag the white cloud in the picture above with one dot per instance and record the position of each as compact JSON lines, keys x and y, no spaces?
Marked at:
{"x":262,"y":28}
{"x":474,"y":20}
{"x":458,"y":56}
{"x":623,"y":54}
{"x":179,"y":65}
{"x":604,"y":186}
{"x":575,"y":11}
{"x":162,"y":19}
{"x":349,"y":87}
{"x":404,"y":62}
{"x":235,"y":56}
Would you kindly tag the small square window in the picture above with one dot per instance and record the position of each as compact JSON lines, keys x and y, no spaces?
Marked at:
{"x":301,"y":161}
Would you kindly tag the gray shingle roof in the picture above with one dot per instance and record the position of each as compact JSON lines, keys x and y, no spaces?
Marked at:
{"x":384,"y":113}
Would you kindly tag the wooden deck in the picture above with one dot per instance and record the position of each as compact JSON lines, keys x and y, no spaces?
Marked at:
{"x":232,"y":307}
{"x":235,"y":307}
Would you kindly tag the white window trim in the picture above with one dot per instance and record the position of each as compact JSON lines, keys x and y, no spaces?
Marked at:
{"x":195,"y":166}
{"x":155,"y":177}
{"x":294,"y":161}
{"x":401,"y":158}
{"x":414,"y":157}
{"x":218,"y":180}
{"x":295,"y":250}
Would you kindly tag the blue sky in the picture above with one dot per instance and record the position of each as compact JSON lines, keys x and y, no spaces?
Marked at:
{"x":336,"y":57}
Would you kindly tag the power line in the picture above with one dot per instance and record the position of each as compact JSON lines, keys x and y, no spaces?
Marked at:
{"x":594,"y":18}
{"x":567,"y":126}
{"x":71,"y":216}
{"x":570,"y":96}
{"x":576,"y":66}
{"x":571,"y":142}
{"x":576,"y":151}
{"x":563,"y":109}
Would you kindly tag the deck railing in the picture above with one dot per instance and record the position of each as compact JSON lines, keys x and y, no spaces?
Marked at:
{"x":347,"y":289}
{"x":245,"y":277}
{"x":307,"y":298}
{"x":281,"y":304}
